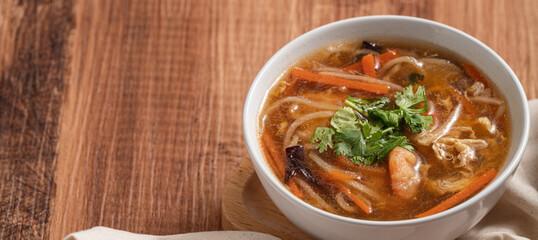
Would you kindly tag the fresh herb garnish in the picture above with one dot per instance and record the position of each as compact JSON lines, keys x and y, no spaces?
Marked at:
{"x":366,"y":130}
{"x":414,"y":78}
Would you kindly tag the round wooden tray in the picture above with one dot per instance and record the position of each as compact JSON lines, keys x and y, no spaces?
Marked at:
{"x":247,"y":207}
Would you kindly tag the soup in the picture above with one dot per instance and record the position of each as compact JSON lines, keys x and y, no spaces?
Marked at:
{"x":384,"y":131}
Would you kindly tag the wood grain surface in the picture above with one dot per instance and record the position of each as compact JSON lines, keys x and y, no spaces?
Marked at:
{"x":127,"y":114}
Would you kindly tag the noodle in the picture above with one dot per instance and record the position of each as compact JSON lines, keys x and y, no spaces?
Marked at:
{"x":301,"y":120}
{"x":311,"y":193}
{"x":301,"y":100}
{"x":406,"y":59}
{"x":426,"y":138}
{"x":362,"y":78}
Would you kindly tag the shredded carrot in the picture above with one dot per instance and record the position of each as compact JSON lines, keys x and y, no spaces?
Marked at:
{"x":272,"y":164}
{"x":338,"y":175}
{"x":353,"y":197}
{"x":368,"y":65}
{"x":295,"y":189}
{"x":329,"y":80}
{"x":385,"y":57}
{"x":353,"y":67}
{"x":467,"y":106}
{"x":276,"y":157}
{"x":461,"y":195}
{"x":475,"y":74}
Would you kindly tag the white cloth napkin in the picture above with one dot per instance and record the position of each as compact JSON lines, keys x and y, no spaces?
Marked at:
{"x":514,"y":217}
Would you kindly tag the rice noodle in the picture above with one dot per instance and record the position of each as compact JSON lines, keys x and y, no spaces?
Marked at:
{"x":364,"y":189}
{"x":427,"y":138}
{"x":392,"y":71}
{"x":301,"y":120}
{"x":487,"y":100}
{"x":301,"y":100}
{"x":354,"y":184}
{"x":311,"y":193}
{"x":318,"y":67}
{"x":362,"y":78}
{"x":500,"y":111}
{"x":322,"y":164}
{"x":405,"y":59}
{"x":344,"y":204}
{"x":438,"y":61}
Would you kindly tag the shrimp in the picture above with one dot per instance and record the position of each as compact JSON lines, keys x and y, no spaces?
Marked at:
{"x":405,"y":178}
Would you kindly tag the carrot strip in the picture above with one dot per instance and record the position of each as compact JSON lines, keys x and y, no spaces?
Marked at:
{"x":295,"y":189}
{"x":329,"y":80}
{"x":385,"y":57}
{"x":461,"y":195}
{"x":368,"y":65}
{"x":337,"y":175}
{"x":475,"y":74}
{"x":353,"y":67}
{"x":277,"y":158}
{"x":272,"y":164}
{"x":353,"y":197}
{"x":467,"y":106}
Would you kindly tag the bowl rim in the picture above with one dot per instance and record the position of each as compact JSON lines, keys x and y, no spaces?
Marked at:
{"x":497,"y":182}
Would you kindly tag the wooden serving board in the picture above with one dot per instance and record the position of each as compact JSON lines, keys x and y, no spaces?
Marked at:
{"x":247,"y":207}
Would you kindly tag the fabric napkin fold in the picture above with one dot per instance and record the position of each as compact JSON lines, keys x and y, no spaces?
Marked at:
{"x":514,"y":217}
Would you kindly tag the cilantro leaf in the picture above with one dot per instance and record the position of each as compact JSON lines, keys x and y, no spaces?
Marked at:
{"x":414,"y":78}
{"x":407,"y":101}
{"x":324,"y":135}
{"x":344,"y":118}
{"x":363,"y":106}
{"x":350,"y":142}
{"x":388,"y":117}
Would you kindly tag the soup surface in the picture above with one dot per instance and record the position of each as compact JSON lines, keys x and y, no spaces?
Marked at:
{"x":384,"y":131}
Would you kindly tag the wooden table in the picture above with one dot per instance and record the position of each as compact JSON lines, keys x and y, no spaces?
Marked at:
{"x":127,"y":114}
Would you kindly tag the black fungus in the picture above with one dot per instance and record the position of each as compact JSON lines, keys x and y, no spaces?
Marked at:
{"x":296,"y":162}
{"x":371,"y":46}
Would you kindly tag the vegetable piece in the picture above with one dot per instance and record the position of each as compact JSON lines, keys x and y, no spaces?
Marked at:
{"x":413,"y":78}
{"x":296,"y":163}
{"x":474,"y":74}
{"x":461,"y":195}
{"x":275,"y":156}
{"x":295,"y":189}
{"x":338,"y":175}
{"x":345,"y":118}
{"x":350,"y":142}
{"x":467,"y":105}
{"x":360,"y":167}
{"x":313,"y":77}
{"x":407,"y":101}
{"x":353,"y":197}
{"x":371,"y":46}
{"x":353,"y":67}
{"x":364,"y":105}
{"x":387,"y":56}
{"x":324,"y":135}
{"x":368,"y":65}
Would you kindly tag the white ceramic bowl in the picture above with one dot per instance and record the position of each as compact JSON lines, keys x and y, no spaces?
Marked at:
{"x":446,"y":225}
